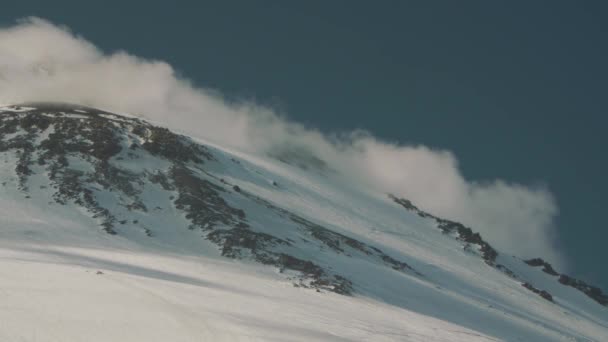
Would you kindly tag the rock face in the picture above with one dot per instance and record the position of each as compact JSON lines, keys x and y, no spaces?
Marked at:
{"x":462,"y":233}
{"x":546,"y":295}
{"x":489,"y":254}
{"x":547,"y":268}
{"x":593,"y":292}
{"x":125,"y":172}
{"x":197,"y":232}
{"x":87,"y":155}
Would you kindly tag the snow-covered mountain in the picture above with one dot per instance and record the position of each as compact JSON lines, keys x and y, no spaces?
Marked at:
{"x":114,"y":229}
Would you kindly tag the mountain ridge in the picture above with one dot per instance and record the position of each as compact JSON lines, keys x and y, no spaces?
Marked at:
{"x":144,"y":182}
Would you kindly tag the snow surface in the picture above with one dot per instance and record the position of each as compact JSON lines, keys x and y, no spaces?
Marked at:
{"x":63,"y":279}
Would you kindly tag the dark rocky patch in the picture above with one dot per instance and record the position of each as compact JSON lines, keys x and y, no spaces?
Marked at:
{"x":21,"y":145}
{"x":467,"y":235}
{"x":93,"y":140}
{"x":81,"y":153}
{"x":31,"y":123}
{"x":206,"y":209}
{"x":113,"y":178}
{"x":506,"y":271}
{"x":489,"y":254}
{"x":161,"y":179}
{"x":592,"y":292}
{"x":70,"y":185}
{"x":546,"y":295}
{"x":547,"y":268}
{"x":337,"y":242}
{"x":9,"y":126}
{"x":24,"y":149}
{"x":233,"y":241}
{"x":202,"y":202}
{"x":161,"y":141}
{"x":464,"y":233}
{"x":320,"y":279}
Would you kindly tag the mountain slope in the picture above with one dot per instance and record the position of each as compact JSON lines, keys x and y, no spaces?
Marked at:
{"x":197,"y":241}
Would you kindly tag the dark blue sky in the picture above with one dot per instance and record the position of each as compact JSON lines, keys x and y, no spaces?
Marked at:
{"x":517,"y":90}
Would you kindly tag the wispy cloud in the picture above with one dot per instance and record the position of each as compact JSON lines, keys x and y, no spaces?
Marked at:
{"x":40,"y":61}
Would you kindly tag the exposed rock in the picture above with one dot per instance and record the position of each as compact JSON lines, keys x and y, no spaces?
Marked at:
{"x":78,"y":149}
{"x":506,"y":271}
{"x":161,"y":141}
{"x":547,"y":268}
{"x":91,"y":154}
{"x":593,"y":292}
{"x":201,"y":201}
{"x":489,"y":254}
{"x":546,"y":295}
{"x":337,"y":242}
{"x":463,"y":233}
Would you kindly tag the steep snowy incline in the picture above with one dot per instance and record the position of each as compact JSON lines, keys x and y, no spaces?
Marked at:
{"x":112,"y":228}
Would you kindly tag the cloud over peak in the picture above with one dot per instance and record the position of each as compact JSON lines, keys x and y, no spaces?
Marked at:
{"x":40,"y":61}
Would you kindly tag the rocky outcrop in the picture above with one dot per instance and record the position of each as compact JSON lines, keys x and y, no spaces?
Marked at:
{"x":546,"y":295}
{"x":592,"y":292}
{"x":84,"y":153}
{"x":97,"y":161}
{"x":547,"y":268}
{"x":461,"y":232}
{"x":489,"y":255}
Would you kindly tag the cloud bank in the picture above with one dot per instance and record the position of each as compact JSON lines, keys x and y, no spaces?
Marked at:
{"x":40,"y":61}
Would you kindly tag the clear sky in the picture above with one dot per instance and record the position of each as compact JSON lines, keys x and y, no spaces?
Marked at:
{"x":517,"y":90}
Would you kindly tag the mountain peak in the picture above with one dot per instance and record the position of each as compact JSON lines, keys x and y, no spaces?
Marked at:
{"x":127,"y":181}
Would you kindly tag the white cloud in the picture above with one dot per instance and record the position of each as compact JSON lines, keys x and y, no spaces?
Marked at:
{"x":40,"y":61}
